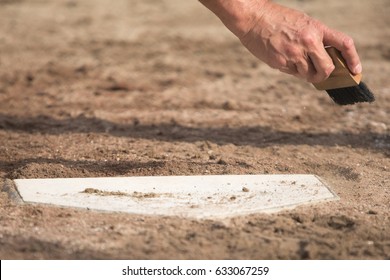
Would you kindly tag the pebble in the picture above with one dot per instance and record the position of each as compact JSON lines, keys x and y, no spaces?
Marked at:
{"x":377,"y":127}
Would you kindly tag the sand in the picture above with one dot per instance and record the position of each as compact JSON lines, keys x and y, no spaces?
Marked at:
{"x":122,"y":88}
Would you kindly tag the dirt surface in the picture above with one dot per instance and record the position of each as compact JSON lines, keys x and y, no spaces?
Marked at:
{"x":122,"y":88}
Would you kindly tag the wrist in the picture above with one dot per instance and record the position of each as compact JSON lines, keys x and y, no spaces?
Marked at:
{"x":237,"y":15}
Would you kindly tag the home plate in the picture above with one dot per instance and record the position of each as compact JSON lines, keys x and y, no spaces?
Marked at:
{"x":203,"y":197}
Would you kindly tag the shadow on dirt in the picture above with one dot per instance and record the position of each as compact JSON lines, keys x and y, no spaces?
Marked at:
{"x":256,"y":136}
{"x":35,"y":248}
{"x":64,"y":168}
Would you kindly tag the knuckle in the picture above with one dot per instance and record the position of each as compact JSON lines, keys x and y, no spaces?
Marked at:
{"x":308,"y":38}
{"x":319,"y":77}
{"x":303,"y":66}
{"x":293,"y":54}
{"x":348,"y":42}
{"x":321,"y":74}
{"x":277,"y":62}
{"x":329,"y":71}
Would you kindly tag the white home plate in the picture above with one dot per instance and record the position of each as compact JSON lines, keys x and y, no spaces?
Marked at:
{"x":213,"y":196}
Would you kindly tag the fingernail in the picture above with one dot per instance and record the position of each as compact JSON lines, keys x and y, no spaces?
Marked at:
{"x":358,"y":69}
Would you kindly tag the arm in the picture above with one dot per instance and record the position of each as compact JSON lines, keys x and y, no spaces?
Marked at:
{"x":284,"y":38}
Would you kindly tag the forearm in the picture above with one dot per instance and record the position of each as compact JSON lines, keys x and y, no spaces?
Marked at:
{"x":237,"y":15}
{"x":284,"y":38}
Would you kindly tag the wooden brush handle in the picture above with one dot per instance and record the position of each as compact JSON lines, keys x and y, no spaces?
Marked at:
{"x":340,"y":77}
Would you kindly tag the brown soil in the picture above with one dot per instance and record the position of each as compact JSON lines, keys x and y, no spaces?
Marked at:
{"x":123,"y":88}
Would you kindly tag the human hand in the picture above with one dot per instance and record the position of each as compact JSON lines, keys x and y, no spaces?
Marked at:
{"x":284,"y":38}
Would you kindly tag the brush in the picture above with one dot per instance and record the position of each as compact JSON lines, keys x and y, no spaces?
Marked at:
{"x":342,"y":86}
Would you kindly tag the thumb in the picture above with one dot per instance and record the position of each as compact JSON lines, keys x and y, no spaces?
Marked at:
{"x":346,"y":46}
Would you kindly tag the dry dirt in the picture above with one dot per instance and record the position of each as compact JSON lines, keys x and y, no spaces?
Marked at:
{"x":128,"y":87}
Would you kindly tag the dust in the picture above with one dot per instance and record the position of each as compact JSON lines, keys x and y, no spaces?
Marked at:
{"x":141,"y":195}
{"x":135,"y":194}
{"x":104,"y":193}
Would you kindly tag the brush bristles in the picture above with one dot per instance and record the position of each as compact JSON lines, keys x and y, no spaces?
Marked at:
{"x":351,"y":95}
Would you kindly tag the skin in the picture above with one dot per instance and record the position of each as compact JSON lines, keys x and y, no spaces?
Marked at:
{"x":284,"y":38}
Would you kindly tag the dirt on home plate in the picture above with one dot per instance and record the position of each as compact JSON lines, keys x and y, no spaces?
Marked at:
{"x":122,"y":88}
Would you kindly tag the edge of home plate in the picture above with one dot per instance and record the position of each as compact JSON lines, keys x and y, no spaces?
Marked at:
{"x":199,"y":197}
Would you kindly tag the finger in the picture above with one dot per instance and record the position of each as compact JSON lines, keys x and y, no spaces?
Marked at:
{"x":291,"y":69}
{"x":288,"y":71}
{"x":306,"y":69}
{"x":323,"y":65}
{"x":346,"y":45}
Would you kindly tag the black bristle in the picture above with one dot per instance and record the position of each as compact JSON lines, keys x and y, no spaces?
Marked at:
{"x":351,"y":95}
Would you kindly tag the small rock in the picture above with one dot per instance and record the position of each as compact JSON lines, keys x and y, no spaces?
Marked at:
{"x":229,"y":105}
{"x":377,"y":127}
{"x":372,"y":212}
{"x":341,"y":222}
{"x":212,"y":157}
{"x":222,"y":162}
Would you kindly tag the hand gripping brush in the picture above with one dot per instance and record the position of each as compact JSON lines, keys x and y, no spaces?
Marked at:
{"x":342,"y":86}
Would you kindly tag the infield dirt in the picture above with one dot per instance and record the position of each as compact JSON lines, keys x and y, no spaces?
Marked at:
{"x":123,"y":88}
